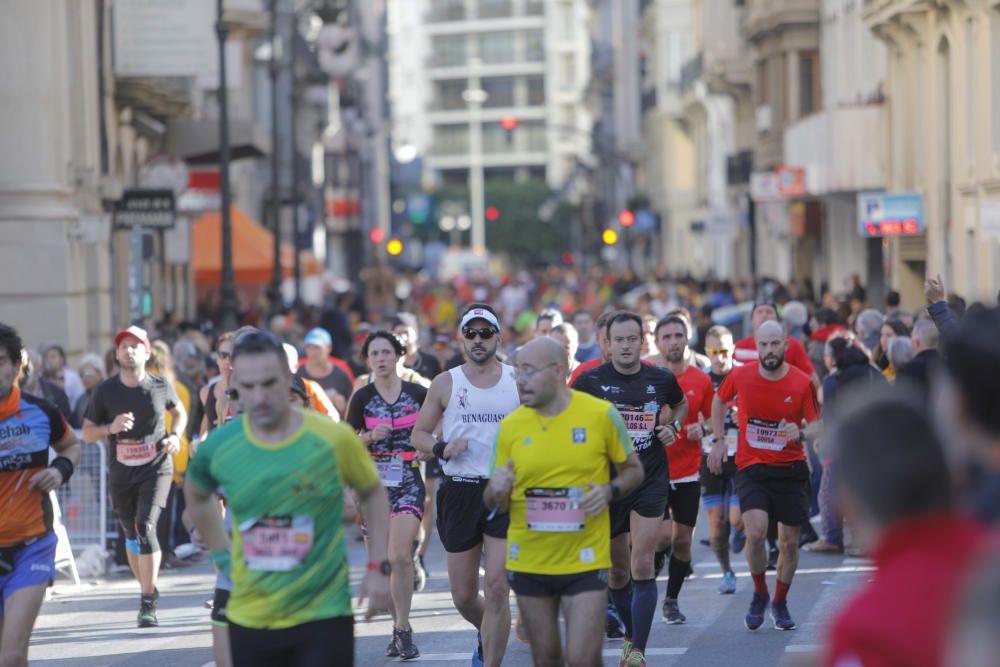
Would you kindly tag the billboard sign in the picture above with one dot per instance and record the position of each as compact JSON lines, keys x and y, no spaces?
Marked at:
{"x":890,"y":215}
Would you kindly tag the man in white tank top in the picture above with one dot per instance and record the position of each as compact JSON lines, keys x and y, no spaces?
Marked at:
{"x":471,"y":401}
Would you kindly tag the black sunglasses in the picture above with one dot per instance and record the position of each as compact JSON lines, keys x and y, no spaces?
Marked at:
{"x":484,"y":333}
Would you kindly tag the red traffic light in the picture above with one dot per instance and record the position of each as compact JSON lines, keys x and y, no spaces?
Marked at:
{"x":508,"y":123}
{"x":377,"y":235}
{"x":627,"y":218}
{"x":492,"y":213}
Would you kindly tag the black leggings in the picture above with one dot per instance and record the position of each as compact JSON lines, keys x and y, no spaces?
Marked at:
{"x":326,"y":643}
{"x":139,"y":506}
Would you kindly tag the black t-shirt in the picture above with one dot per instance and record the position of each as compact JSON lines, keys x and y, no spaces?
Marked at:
{"x":639,"y":398}
{"x":337,"y":380}
{"x":427,"y":365}
{"x":148,"y":402}
{"x":368,"y":409}
{"x":731,"y":424}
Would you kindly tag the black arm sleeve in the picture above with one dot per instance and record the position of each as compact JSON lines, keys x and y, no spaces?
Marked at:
{"x":356,"y":409}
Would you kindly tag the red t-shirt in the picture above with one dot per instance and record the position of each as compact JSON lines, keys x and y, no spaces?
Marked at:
{"x":761,"y":405}
{"x":901,"y":617}
{"x":685,"y":454}
{"x":796,"y":355}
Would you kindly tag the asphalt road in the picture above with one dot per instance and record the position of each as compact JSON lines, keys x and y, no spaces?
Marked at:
{"x":94,"y":624}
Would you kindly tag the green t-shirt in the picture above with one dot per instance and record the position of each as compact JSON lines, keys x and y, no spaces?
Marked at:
{"x":289,"y":560}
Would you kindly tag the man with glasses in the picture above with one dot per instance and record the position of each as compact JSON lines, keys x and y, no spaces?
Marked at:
{"x":129,"y":411}
{"x":551,"y":469}
{"x":284,"y":470}
{"x":470,"y":401}
{"x":653,"y":407}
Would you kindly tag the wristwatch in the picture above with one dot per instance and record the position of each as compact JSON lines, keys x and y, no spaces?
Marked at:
{"x":384,"y":567}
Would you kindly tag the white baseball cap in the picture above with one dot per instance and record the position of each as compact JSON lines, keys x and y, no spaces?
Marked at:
{"x":479,"y":314}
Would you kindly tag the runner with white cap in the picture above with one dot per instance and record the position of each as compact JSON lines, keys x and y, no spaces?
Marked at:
{"x":472,"y":400}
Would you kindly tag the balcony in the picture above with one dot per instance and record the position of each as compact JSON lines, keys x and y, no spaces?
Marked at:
{"x":765,"y":17}
{"x":842,"y":150}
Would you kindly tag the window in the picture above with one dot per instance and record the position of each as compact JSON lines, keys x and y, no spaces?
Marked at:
{"x":451,"y":139}
{"x":534,"y":48}
{"x":532,"y":135}
{"x":673,"y":57}
{"x":500,"y":91}
{"x":810,"y":83}
{"x":763,"y":94}
{"x":449,"y":51}
{"x":536,"y":91}
{"x":995,"y":77}
{"x":448,"y":94}
{"x":567,"y":71}
{"x":497,"y":47}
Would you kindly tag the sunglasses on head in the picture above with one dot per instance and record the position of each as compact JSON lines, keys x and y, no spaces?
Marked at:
{"x":712,"y":351}
{"x":484,"y":333}
{"x":255,"y":340}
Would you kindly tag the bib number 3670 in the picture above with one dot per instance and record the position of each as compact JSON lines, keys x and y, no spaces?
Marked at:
{"x":554,"y":510}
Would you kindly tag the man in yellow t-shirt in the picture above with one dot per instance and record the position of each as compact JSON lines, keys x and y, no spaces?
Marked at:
{"x":551,"y":469}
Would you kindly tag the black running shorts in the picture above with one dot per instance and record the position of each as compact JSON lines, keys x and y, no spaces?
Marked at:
{"x":462,"y":517}
{"x":326,"y":643}
{"x":557,"y":585}
{"x":649,"y":500}
{"x":781,"y":491}
{"x":683,"y":502}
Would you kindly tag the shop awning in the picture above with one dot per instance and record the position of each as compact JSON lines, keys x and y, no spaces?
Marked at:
{"x":253,"y":251}
{"x":197,"y":141}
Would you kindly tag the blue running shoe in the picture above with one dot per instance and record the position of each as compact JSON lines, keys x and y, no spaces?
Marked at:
{"x":758,"y":606}
{"x":477,"y":653}
{"x":739,"y":541}
{"x":782,"y":619}
{"x":613,"y":626}
{"x":728,"y":585}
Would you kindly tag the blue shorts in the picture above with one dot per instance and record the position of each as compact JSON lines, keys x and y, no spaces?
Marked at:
{"x":33,"y":565}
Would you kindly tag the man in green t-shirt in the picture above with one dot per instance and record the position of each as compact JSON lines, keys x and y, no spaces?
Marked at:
{"x":284,"y":470}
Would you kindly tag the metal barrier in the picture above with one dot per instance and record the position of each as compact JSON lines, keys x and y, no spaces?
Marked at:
{"x":86,"y":512}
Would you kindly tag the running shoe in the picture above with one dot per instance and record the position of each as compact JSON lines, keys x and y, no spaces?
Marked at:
{"x":635,"y":659}
{"x":755,"y":616}
{"x":782,"y":619}
{"x":147,"y":612}
{"x":405,"y":648}
{"x":419,"y":575}
{"x":519,"y":633}
{"x":392,"y":651}
{"x":739,"y":541}
{"x":626,"y":649}
{"x":613,"y":626}
{"x":423,"y":566}
{"x":672,"y":613}
{"x":477,"y":653}
{"x":728,"y":585}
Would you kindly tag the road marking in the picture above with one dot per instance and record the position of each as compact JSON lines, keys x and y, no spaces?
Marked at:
{"x":805,"y":570}
{"x":804,"y":648}
{"x":609,"y":653}
{"x":445,"y":657}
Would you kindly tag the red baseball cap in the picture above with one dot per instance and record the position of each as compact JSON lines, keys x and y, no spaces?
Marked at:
{"x":137,"y":333}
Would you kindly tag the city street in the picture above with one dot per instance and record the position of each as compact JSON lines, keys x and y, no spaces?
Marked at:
{"x":95,"y":624}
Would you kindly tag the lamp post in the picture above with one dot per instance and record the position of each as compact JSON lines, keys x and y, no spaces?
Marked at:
{"x":474,"y":97}
{"x":227,"y":313}
{"x":274,"y":290}
{"x":295,"y":165}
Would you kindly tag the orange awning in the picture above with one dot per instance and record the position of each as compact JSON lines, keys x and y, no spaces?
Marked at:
{"x":253,"y":251}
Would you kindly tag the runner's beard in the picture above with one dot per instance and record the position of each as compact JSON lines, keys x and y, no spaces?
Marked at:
{"x":772,"y":363}
{"x":675,"y":357}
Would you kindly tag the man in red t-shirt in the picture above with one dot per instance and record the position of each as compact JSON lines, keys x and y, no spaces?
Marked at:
{"x":893,"y":477}
{"x":774,"y":402}
{"x":684,"y":456}
{"x":746,"y":349}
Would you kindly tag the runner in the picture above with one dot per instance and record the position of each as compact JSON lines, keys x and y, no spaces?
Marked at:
{"x":653,"y":406}
{"x":129,"y":410}
{"x":677,"y":527}
{"x":332,"y":373}
{"x":558,"y":446}
{"x":215,"y":395}
{"x":28,"y":427}
{"x":719,"y":491}
{"x":774,"y":401}
{"x":384,"y":412}
{"x":284,"y":470}
{"x":472,"y":399}
{"x":746,"y":348}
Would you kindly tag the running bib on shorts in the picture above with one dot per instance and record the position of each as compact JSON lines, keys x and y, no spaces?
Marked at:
{"x":640,"y":424}
{"x":390,"y":471}
{"x":764,"y":434}
{"x":276,"y":543}
{"x":554,"y":510}
{"x":135,"y":452}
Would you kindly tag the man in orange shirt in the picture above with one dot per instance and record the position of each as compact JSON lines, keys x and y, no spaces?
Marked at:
{"x":28,"y":427}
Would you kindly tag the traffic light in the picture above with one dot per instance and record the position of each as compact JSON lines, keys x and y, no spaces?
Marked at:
{"x":509,"y":123}
{"x":377,"y":235}
{"x":627,"y":218}
{"x":394,"y":247}
{"x":610,"y":237}
{"x":492,"y":213}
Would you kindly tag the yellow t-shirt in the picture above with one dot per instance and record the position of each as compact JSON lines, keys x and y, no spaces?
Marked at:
{"x":554,"y":460}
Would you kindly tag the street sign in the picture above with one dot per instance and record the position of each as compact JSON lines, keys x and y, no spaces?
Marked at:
{"x":791,"y":181}
{"x":153,"y":209}
{"x":418,"y":207}
{"x":889,"y":215}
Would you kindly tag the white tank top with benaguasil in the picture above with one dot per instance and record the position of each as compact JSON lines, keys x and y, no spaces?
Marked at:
{"x":475,"y":414}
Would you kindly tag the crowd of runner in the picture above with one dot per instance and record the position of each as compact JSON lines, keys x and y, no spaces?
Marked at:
{"x":560,"y":431}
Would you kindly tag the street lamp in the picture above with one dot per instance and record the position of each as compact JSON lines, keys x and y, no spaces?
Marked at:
{"x":474,"y":96}
{"x":274,"y":291}
{"x":227,"y":313}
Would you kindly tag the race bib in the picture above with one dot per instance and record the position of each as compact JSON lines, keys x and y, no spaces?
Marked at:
{"x":640,"y":424}
{"x":764,"y":434}
{"x":554,"y":510}
{"x":390,"y":471}
{"x":276,"y":543}
{"x":135,"y":452}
